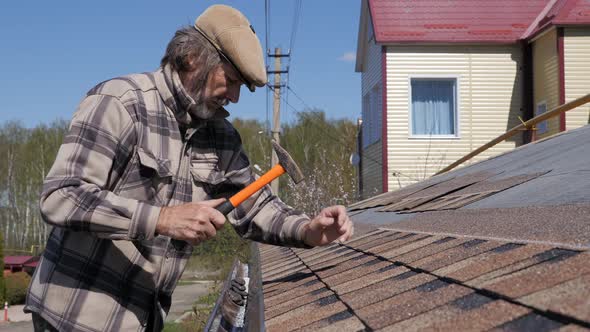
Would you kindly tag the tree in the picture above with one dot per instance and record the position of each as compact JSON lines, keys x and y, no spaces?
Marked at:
{"x":320,"y":147}
{"x":28,"y":155}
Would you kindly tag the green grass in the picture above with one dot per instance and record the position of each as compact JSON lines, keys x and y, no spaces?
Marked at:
{"x":201,"y":310}
{"x":210,"y":298}
{"x":218,"y":254}
{"x":177,"y":327}
{"x":184,"y":282}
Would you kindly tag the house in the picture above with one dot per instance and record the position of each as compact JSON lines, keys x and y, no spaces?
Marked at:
{"x":503,"y":244}
{"x":560,"y":44}
{"x":441,"y":78}
{"x":21,"y":263}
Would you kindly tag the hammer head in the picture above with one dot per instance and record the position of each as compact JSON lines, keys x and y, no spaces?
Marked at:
{"x":288,"y":163}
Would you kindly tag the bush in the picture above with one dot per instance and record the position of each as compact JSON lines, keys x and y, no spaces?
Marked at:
{"x":16,"y":287}
{"x":218,"y":253}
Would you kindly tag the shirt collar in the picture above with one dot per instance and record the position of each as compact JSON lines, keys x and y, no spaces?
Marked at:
{"x":179,"y":101}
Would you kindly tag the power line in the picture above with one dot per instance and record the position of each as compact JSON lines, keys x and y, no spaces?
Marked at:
{"x":266,"y":25}
{"x":295,"y":24}
{"x":309,"y":108}
{"x":285,"y":97}
{"x":266,"y":38}
{"x":300,"y":99}
{"x":327,"y":134}
{"x":335,"y":139}
{"x":292,"y":39}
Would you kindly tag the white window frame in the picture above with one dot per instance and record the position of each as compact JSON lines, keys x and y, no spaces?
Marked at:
{"x":543,"y":124}
{"x":457,"y":134}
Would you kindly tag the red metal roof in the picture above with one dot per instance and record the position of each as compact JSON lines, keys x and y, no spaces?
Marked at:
{"x":17,"y":260}
{"x":32,"y":264}
{"x":468,"y":21}
{"x":574,"y":12}
{"x":562,"y":12}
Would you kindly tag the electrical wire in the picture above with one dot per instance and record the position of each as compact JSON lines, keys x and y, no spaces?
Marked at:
{"x":300,"y":99}
{"x":266,"y":26}
{"x":285,"y":97}
{"x":326,"y":134}
{"x":266,"y":37}
{"x":333,"y":138}
{"x":294,"y":28}
{"x":295,"y":25}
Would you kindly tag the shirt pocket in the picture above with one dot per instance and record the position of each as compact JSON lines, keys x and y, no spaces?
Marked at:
{"x":205,"y":168}
{"x":159,"y":166}
{"x":154,"y":176}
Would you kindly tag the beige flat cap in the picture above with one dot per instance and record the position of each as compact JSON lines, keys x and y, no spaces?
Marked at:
{"x":233,"y":36}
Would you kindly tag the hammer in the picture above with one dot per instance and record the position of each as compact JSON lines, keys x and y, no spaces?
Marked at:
{"x":285,"y":165}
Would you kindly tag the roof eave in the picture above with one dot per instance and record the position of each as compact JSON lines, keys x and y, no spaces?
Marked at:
{"x":566,"y":24}
{"x":361,"y":47}
{"x":448,"y":42}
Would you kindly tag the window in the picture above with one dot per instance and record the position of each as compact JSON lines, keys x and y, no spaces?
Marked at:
{"x":372,"y":116}
{"x":541,"y":126}
{"x":433,"y":109}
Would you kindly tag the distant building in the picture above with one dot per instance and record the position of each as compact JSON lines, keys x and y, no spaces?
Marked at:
{"x":21,"y":263}
{"x":441,"y":78}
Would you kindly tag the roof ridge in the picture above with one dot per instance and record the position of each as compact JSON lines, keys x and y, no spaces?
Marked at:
{"x":538,"y":19}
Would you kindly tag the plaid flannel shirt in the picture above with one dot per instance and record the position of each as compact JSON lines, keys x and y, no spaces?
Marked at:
{"x":132,"y":148}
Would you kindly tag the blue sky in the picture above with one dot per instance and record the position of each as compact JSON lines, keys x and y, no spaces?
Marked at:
{"x":52,"y":52}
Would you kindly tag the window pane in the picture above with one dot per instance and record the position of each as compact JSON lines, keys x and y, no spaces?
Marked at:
{"x":433,"y":107}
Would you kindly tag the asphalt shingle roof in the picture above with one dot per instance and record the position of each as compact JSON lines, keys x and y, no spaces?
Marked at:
{"x":516,"y":259}
{"x":408,"y":281}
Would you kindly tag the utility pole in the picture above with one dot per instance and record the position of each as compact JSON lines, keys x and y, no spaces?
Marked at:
{"x":276,"y":128}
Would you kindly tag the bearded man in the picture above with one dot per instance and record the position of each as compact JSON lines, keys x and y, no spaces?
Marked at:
{"x":136,"y":181}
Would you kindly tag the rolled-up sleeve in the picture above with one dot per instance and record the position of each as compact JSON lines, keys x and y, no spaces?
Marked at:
{"x":77,"y":192}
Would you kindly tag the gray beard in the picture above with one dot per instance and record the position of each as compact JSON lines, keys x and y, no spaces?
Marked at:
{"x":200,"y":110}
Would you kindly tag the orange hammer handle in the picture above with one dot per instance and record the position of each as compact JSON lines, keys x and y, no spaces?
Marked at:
{"x":253,"y":187}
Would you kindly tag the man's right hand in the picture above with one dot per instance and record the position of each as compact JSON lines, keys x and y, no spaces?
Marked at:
{"x":191,"y":222}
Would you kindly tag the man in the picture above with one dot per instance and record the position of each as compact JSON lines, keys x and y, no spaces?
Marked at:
{"x":131,"y":189}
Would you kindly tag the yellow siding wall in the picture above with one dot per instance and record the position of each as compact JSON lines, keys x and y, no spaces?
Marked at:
{"x":546,"y":78}
{"x":489,"y":101}
{"x":371,"y":172}
{"x":576,"y":47}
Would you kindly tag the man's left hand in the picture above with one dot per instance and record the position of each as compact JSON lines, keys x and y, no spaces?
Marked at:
{"x":331,"y":224}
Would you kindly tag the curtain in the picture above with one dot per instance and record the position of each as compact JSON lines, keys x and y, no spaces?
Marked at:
{"x":433,"y":106}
